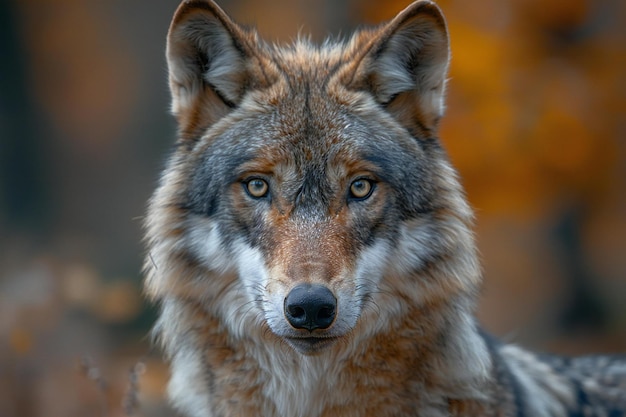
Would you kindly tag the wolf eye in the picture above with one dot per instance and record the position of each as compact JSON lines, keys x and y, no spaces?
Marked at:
{"x":257,"y":187}
{"x":361,"y":189}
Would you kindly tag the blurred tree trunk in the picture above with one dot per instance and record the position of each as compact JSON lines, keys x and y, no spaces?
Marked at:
{"x":22,"y":144}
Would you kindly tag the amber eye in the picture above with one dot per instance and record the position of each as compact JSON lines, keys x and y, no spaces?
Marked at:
{"x":361,"y":189}
{"x":257,"y":187}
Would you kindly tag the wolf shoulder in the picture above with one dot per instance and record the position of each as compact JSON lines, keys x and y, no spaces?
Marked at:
{"x":538,"y":385}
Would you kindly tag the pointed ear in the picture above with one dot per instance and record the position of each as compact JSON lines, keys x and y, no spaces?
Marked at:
{"x":208,"y":62}
{"x":406,"y":64}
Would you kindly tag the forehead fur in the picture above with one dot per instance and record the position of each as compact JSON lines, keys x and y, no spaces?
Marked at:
{"x":333,"y":58}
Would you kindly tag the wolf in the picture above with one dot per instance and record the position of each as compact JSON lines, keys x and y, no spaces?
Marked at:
{"x":310,"y":246}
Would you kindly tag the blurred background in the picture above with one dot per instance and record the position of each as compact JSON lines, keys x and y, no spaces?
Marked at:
{"x":536,"y":124}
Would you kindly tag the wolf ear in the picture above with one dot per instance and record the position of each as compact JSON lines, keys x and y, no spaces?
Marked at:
{"x":406,"y":65}
{"x":207,"y":57}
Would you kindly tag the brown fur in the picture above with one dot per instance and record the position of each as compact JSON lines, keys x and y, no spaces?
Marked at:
{"x":401,"y":262}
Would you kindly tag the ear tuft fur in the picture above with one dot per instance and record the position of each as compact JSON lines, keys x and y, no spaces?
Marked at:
{"x":410,"y":57}
{"x":205,"y":52}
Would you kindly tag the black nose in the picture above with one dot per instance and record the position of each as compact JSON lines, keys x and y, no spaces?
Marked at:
{"x":310,"y":307}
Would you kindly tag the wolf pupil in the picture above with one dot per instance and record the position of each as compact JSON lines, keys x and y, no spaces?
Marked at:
{"x":257,"y":187}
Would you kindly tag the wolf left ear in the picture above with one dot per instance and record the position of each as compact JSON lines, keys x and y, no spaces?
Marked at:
{"x":406,"y":65}
{"x":210,"y":62}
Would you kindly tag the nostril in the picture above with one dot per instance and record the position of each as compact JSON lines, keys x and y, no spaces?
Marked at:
{"x":296,"y":311}
{"x":310,"y":307}
{"x":326,"y":312}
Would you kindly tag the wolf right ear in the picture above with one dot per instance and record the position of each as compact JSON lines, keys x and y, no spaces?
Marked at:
{"x":209,"y":62}
{"x":405,"y":65}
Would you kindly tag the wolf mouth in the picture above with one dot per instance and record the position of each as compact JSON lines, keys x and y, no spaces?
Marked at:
{"x":310,"y":345}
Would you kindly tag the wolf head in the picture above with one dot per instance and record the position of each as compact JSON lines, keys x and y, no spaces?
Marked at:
{"x":309,"y":194}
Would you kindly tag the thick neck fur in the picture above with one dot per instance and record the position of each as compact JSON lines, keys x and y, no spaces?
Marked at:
{"x":261,"y":375}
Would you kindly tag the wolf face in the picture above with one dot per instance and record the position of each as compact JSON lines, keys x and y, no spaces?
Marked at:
{"x":309,"y":192}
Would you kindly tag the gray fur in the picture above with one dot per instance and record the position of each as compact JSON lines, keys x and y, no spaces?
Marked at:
{"x":402,"y":264}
